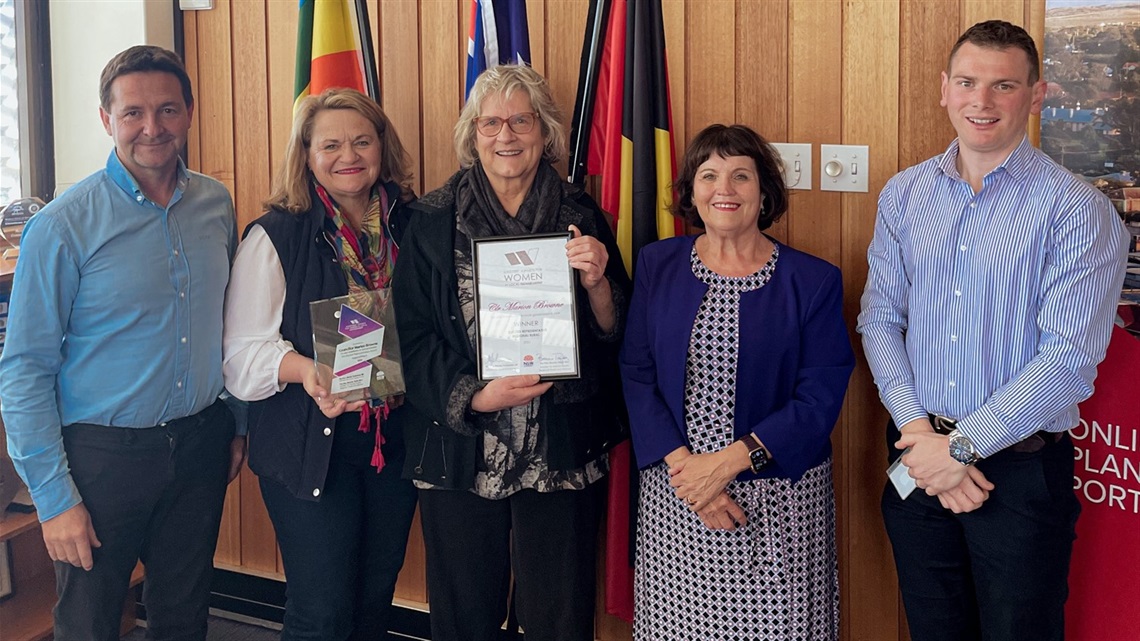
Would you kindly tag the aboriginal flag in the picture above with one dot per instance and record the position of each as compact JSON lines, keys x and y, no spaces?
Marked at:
{"x":334,"y":49}
{"x":622,"y":132}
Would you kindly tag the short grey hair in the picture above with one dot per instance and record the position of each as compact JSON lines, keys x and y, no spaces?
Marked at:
{"x":504,"y":80}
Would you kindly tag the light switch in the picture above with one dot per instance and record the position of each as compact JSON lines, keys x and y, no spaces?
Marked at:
{"x":195,"y":5}
{"x":843,"y":167}
{"x":797,"y":164}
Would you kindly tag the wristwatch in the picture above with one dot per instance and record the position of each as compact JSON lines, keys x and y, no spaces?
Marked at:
{"x":757,"y":455}
{"x":962,"y":449}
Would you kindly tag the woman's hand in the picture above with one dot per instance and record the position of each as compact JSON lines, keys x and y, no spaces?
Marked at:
{"x":722,"y":513}
{"x":315,"y":385}
{"x":509,"y":391}
{"x":699,"y":478}
{"x":589,"y":256}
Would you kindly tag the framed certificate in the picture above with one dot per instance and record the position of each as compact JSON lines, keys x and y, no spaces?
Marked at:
{"x":526,"y":319}
{"x":356,"y":347}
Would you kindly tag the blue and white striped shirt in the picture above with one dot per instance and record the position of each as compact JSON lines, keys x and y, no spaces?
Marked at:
{"x":991,"y":308}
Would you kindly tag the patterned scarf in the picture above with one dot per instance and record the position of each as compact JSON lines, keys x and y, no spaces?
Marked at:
{"x":367,"y":259}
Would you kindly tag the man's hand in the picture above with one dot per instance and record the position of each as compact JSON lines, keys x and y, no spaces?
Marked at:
{"x":930,"y":463}
{"x":509,"y":391}
{"x":974,"y":489}
{"x":237,"y":457}
{"x":722,"y":513}
{"x":70,"y":536}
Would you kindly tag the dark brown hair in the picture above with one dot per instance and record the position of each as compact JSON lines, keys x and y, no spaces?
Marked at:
{"x":999,"y":34}
{"x":143,"y":58}
{"x":725,"y":141}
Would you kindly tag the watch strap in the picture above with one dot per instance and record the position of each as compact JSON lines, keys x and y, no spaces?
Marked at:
{"x":750,"y":441}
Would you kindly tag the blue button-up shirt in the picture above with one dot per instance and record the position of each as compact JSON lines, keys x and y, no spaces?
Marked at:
{"x":115,"y":317}
{"x":992,"y":308}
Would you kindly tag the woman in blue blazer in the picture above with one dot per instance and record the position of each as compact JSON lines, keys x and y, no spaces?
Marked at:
{"x":735,"y":363}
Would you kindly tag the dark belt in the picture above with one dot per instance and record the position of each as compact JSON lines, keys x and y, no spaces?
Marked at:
{"x":1034,"y":443}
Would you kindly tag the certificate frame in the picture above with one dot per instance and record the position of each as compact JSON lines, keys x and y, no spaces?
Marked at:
{"x":526,"y":309}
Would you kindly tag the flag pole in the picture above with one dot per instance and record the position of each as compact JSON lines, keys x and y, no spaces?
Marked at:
{"x":587,"y":89}
{"x":367,"y":51}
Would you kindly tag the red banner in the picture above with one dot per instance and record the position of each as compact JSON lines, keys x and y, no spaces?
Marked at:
{"x":1104,"y":582}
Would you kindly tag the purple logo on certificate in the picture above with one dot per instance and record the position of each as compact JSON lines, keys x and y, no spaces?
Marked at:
{"x":353,"y":324}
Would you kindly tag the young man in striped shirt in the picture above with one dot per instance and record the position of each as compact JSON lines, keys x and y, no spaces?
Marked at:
{"x":992,"y":287}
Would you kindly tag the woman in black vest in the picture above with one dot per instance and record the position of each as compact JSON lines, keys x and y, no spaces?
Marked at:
{"x":508,"y":470}
{"x":329,"y":469}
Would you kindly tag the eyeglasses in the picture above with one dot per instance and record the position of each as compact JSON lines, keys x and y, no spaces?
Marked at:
{"x":519,"y":123}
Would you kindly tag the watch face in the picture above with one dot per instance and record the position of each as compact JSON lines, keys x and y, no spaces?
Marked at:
{"x":962,"y":450}
{"x":759,"y":458}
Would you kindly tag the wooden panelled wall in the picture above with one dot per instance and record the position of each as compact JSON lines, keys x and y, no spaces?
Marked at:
{"x":806,"y":71}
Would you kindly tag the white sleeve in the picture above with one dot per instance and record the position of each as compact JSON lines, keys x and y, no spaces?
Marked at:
{"x":251,"y":337}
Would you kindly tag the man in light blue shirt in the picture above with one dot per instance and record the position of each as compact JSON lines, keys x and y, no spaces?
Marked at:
{"x":992,"y":287}
{"x":111,"y":374}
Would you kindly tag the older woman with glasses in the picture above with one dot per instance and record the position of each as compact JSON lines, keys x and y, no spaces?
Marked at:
{"x":508,"y":469}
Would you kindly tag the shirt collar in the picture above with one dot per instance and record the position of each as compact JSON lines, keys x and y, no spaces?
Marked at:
{"x":123,"y":178}
{"x":1016,"y":164}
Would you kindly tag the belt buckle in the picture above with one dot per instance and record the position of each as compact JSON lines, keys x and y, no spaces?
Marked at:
{"x":943,"y":425}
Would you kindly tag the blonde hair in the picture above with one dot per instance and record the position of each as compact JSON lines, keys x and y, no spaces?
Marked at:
{"x":503,"y":81}
{"x":294,"y":182}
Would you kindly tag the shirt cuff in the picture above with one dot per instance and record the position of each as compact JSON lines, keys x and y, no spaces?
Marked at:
{"x":986,"y":431}
{"x":902,"y":403}
{"x":618,"y":331}
{"x":56,"y":497}
{"x":459,"y":415}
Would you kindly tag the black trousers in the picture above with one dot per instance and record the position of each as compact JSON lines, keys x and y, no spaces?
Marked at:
{"x":999,"y":573}
{"x":550,"y":541}
{"x":342,"y":554}
{"x":154,"y":494}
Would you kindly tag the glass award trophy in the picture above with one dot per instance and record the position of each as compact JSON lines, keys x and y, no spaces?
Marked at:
{"x":13,"y":217}
{"x":356,"y":347}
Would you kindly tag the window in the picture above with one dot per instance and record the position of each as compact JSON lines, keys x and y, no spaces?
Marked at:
{"x":9,"y":106}
{"x":27,"y":165}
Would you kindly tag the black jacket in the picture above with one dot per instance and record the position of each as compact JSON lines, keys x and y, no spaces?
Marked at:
{"x":289,"y":437}
{"x":437,"y":353}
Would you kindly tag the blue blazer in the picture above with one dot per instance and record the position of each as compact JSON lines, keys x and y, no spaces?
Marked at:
{"x":794,"y":362}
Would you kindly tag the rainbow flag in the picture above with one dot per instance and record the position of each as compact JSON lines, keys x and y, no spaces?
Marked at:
{"x":334,"y":48}
{"x":497,"y":35}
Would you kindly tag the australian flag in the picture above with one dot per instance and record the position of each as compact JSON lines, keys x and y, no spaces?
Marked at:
{"x":497,"y":35}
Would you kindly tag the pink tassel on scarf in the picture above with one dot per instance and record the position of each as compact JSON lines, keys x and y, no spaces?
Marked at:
{"x":378,"y":415}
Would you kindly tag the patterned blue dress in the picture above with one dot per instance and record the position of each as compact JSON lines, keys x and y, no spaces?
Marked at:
{"x":775,"y":578}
